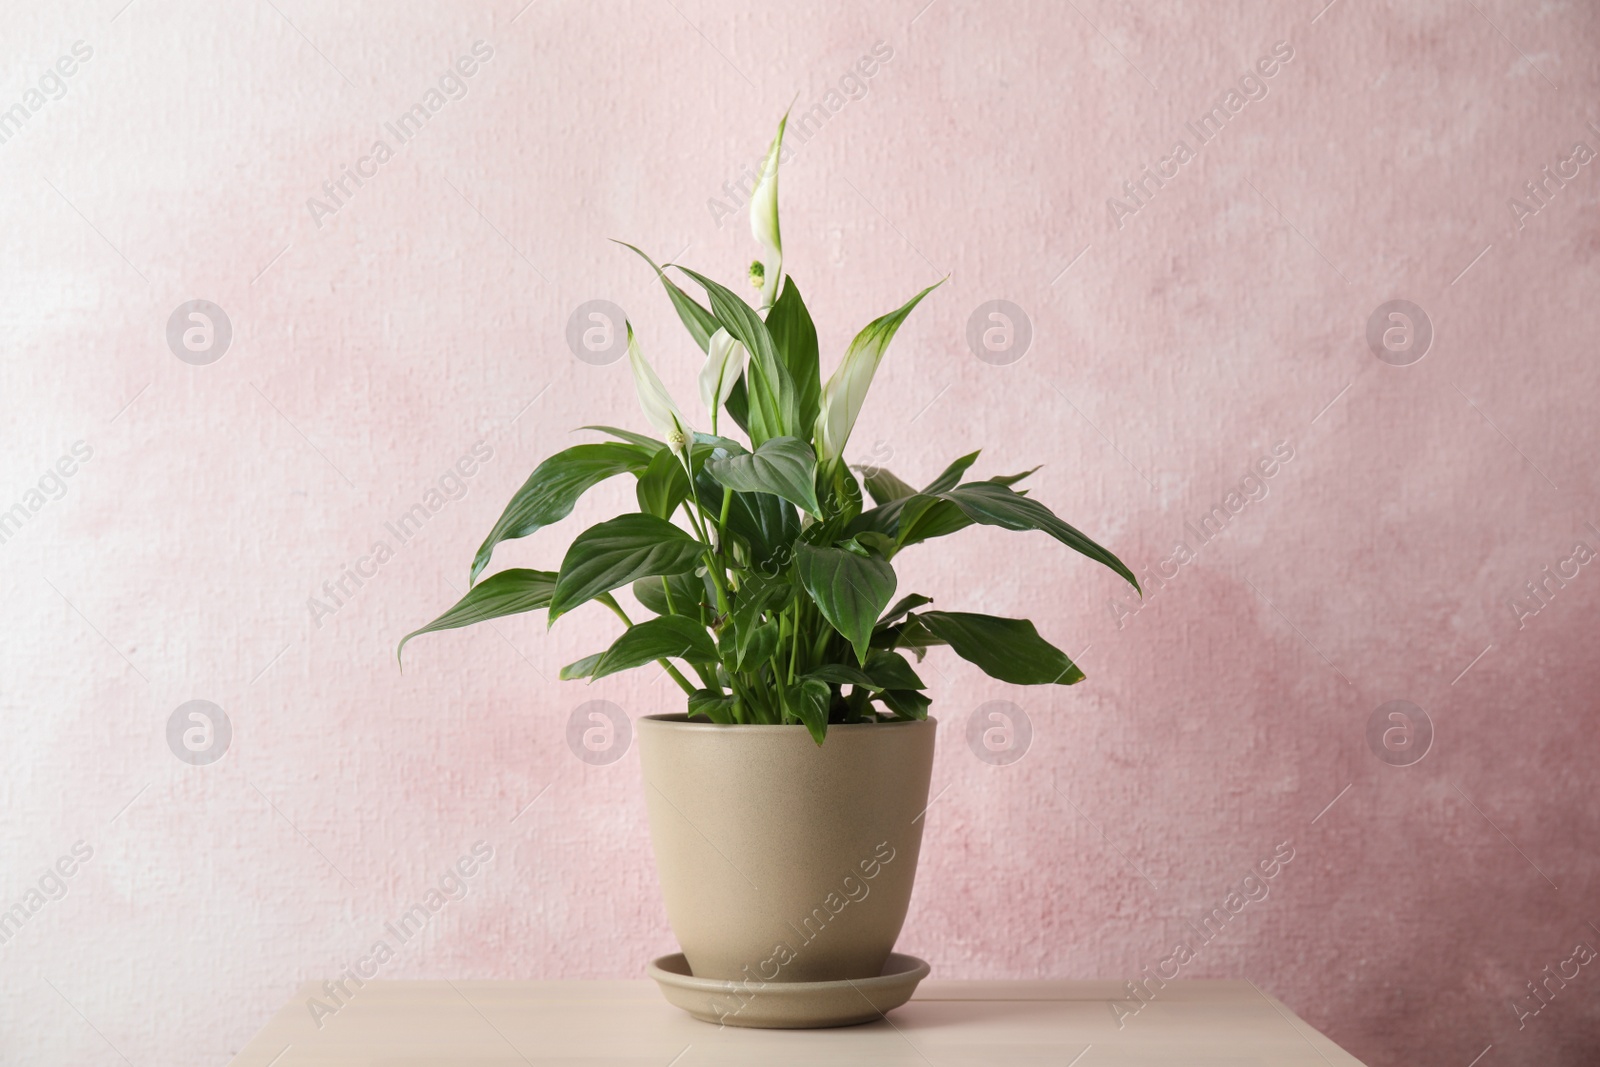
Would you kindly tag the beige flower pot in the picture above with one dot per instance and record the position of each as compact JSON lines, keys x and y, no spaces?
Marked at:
{"x":782,"y":860}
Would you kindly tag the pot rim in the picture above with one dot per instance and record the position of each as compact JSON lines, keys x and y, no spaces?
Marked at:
{"x":680,"y":720}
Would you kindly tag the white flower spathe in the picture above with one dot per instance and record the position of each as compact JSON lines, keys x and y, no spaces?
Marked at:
{"x":657,"y":403}
{"x":725,"y":359}
{"x":764,"y":220}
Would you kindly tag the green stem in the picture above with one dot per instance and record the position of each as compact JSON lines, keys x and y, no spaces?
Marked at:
{"x":794,"y":643}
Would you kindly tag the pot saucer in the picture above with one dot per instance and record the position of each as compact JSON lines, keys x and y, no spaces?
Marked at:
{"x":789,"y":1005}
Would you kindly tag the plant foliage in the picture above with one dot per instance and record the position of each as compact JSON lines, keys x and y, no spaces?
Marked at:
{"x":766,"y":574}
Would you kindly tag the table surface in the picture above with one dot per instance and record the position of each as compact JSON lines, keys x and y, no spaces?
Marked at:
{"x":947,"y":1024}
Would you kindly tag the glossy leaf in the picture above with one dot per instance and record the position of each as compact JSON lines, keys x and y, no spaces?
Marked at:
{"x":663,"y":485}
{"x":807,"y":700}
{"x":510,"y":592}
{"x":717,"y":706}
{"x":643,"y":440}
{"x":884,"y":486}
{"x":582,"y":668}
{"x":667,"y":637}
{"x":906,"y":703}
{"x":996,"y":505}
{"x":555,"y":486}
{"x":795,"y":337}
{"x":700,"y":323}
{"x":771,"y":391}
{"x":1008,"y":649}
{"x":688,"y":593}
{"x":782,"y":466}
{"x":851,"y":590}
{"x":950,"y":477}
{"x":617,"y":552}
{"x":908,"y":603}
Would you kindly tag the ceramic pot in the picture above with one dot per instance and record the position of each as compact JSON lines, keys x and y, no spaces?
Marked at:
{"x":782,"y":860}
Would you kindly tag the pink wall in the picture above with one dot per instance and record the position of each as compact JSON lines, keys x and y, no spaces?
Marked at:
{"x":1226,"y":314}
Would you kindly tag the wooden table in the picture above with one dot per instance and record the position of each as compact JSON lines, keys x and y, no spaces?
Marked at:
{"x":947,"y":1024}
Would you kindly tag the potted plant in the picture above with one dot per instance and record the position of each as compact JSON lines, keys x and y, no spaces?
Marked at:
{"x":785,"y":799}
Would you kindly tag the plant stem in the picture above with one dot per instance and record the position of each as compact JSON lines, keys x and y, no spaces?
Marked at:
{"x":794,"y":643}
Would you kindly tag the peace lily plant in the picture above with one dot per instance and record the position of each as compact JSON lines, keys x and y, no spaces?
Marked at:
{"x":776,"y":591}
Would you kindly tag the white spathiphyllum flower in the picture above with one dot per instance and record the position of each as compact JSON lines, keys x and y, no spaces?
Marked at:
{"x":725,"y":360}
{"x":846,"y":388}
{"x":764,"y":223}
{"x":658,"y":406}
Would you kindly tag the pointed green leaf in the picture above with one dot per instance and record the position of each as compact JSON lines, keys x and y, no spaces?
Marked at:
{"x":771,"y":390}
{"x":995,"y":505}
{"x":782,"y":466}
{"x":663,"y":485}
{"x":889,"y":670}
{"x":795,"y":337}
{"x":510,"y":592}
{"x":952,"y":474}
{"x":902,"y":607}
{"x":688,"y":593}
{"x":670,"y":636}
{"x":807,"y":700}
{"x":582,"y":668}
{"x":768,"y":524}
{"x":747,"y":651}
{"x":555,"y":486}
{"x":884,"y":486}
{"x":851,"y":591}
{"x":616,"y":552}
{"x":715,"y":705}
{"x":1008,"y":649}
{"x":700,"y":323}
{"x":906,"y":703}
{"x":738,"y":405}
{"x":643,"y":440}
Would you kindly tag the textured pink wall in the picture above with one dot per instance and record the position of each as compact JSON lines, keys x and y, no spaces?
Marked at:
{"x":1226,"y":314}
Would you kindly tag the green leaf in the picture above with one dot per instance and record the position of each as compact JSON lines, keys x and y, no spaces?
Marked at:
{"x":640,"y":439}
{"x":771,"y":390}
{"x":923,"y":517}
{"x":906,"y":703}
{"x":748,"y":650}
{"x":1011,"y":479}
{"x":883,"y":670}
{"x":688,"y":593}
{"x":951,"y":475}
{"x":995,"y":505}
{"x":1008,"y":649}
{"x":841,"y":674}
{"x":717,"y":706}
{"x":889,"y":670}
{"x":885,"y":487}
{"x":738,"y":405}
{"x":618,"y":551}
{"x":700,"y":323}
{"x":663,"y":485}
{"x":850,"y":590}
{"x":768,"y":524}
{"x":555,"y":486}
{"x":782,"y":466}
{"x":670,"y":636}
{"x":755,"y":595}
{"x":509,"y":592}
{"x":795,"y":337}
{"x":902,"y":607}
{"x":582,"y":668}
{"x":808,"y":700}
